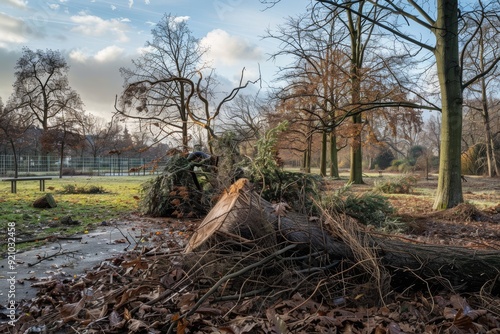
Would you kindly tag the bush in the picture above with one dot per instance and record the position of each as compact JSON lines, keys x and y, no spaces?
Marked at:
{"x":384,"y":158}
{"x":368,"y":208}
{"x":400,"y":185}
{"x":74,"y":189}
{"x":298,"y":190}
{"x":474,"y":160}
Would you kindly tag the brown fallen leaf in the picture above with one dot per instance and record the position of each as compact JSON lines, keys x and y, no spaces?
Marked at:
{"x":135,"y":326}
{"x":131,"y":293}
{"x":463,"y":322}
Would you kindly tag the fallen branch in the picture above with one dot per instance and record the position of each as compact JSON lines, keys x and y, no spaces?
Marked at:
{"x":52,"y":256}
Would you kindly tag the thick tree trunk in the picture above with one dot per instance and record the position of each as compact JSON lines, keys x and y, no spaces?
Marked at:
{"x":449,"y":191}
{"x":242,"y":217}
{"x":334,"y":162}
{"x":356,"y":174}
{"x":322,"y":164}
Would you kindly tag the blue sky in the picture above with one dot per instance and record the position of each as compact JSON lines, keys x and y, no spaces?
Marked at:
{"x":98,"y":37}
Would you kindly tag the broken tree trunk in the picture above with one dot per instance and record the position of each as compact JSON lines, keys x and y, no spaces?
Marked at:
{"x":243,"y":217}
{"x":242,"y":214}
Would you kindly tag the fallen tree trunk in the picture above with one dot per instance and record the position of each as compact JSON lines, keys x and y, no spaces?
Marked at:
{"x":244,"y":217}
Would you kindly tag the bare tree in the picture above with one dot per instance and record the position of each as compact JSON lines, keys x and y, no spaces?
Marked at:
{"x":202,"y":114}
{"x":479,"y":54}
{"x":172,"y":61}
{"x":338,"y":75}
{"x":98,"y":133}
{"x":41,"y":89}
{"x":315,"y":78}
{"x":13,"y":126}
{"x":247,"y":117}
{"x":64,"y":137}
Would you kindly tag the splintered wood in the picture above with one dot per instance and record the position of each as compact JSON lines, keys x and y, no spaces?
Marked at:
{"x":238,"y":214}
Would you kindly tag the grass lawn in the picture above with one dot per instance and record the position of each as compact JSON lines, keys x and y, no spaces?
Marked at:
{"x":119,"y":198}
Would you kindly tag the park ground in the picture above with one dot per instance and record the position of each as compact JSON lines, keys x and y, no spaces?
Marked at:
{"x":474,"y":225}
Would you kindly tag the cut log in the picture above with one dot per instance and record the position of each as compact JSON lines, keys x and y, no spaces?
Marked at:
{"x":243,"y":216}
{"x":457,"y":268}
{"x":239,"y":214}
{"x":47,"y":201}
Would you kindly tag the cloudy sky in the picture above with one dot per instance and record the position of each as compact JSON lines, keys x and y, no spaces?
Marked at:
{"x":97,"y":37}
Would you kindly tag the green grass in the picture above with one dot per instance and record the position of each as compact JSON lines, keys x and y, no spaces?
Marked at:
{"x":88,"y":209}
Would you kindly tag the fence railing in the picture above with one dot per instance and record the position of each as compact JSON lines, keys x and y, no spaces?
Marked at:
{"x":103,"y":166}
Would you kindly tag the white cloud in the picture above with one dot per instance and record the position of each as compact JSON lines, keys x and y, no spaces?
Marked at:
{"x":179,"y":19}
{"x":125,"y":19}
{"x":228,"y":49}
{"x":12,"y":30}
{"x":144,"y":50}
{"x":113,"y":7}
{"x":131,"y":3}
{"x":53,"y":6}
{"x":109,"y":54}
{"x":18,"y":3}
{"x":95,"y":26}
{"x":78,"y":55}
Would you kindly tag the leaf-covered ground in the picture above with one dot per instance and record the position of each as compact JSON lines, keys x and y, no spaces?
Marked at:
{"x":152,"y":290}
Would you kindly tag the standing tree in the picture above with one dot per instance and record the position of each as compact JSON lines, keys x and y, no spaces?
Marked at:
{"x":315,"y":79}
{"x":441,"y":19}
{"x":480,"y":54}
{"x":41,"y":88}
{"x":246,"y":117}
{"x":337,"y":75}
{"x":98,"y":134}
{"x":172,"y":61}
{"x":13,"y":128}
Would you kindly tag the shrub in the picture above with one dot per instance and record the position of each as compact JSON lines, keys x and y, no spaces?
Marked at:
{"x":74,"y":189}
{"x":368,"y":208}
{"x":384,"y":158}
{"x":275,"y":185}
{"x":474,"y":160}
{"x":400,"y":185}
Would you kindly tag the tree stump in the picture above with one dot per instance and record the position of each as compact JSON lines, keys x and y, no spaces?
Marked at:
{"x":237,"y":215}
{"x":47,"y":201}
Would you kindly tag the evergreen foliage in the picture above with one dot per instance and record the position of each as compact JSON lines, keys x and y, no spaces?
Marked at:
{"x":400,"y":185}
{"x":368,"y":208}
{"x":298,"y":190}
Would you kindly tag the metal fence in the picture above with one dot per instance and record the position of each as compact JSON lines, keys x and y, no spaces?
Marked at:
{"x":103,"y":166}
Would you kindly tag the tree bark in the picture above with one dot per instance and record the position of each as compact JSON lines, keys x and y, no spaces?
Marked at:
{"x":242,"y":217}
{"x":449,"y":191}
{"x":322,"y":167}
{"x":334,"y":163}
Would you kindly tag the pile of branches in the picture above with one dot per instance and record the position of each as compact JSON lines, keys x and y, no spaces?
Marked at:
{"x":236,"y":276}
{"x":176,"y":192}
{"x":250,"y":289}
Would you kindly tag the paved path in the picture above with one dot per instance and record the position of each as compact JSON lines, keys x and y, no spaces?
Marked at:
{"x":73,"y":257}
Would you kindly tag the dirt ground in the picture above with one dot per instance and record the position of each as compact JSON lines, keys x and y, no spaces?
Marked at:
{"x":474,"y":224}
{"x":146,"y":290}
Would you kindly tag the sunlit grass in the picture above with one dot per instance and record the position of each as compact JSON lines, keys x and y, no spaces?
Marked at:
{"x":120,"y":198}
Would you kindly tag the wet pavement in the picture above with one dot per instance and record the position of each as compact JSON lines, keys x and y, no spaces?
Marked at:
{"x":63,"y":258}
